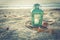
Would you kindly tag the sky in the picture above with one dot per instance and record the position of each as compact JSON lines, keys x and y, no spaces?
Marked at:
{"x":28,"y":3}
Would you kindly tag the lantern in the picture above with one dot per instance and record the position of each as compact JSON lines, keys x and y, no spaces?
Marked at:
{"x":37,"y":16}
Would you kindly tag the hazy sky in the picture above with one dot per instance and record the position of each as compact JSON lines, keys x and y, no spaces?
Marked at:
{"x":28,"y":3}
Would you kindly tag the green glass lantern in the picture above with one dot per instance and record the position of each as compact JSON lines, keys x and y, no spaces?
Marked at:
{"x":37,"y":16}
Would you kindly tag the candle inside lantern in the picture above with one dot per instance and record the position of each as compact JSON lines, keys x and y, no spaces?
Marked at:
{"x":36,"y":17}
